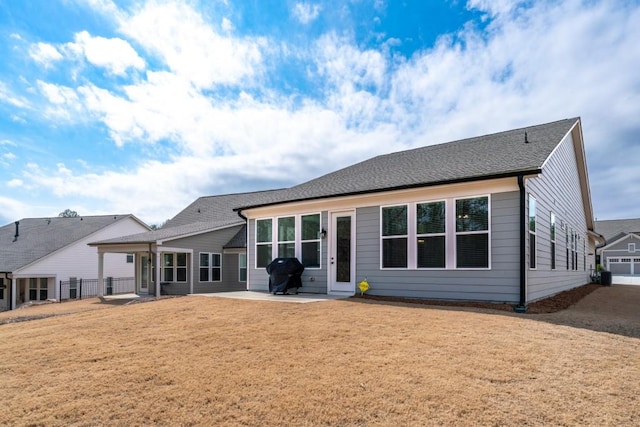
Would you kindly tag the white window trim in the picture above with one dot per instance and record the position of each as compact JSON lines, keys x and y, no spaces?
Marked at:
{"x":210,"y":267}
{"x":411,"y":255}
{"x":487,"y":232}
{"x":300,"y":241}
{"x":240,"y":267}
{"x":286,"y":242}
{"x":450,"y":235}
{"x":271,"y":242}
{"x":414,"y":242}
{"x":534,"y":232}
{"x":298,"y":237}
{"x":631,"y":248}
{"x":553,"y":241}
{"x":175,"y":267}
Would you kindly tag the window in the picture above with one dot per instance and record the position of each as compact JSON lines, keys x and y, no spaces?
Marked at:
{"x":310,"y":240}
{"x":566,"y":238}
{"x":174,"y":267}
{"x":552,"y":238}
{"x":394,"y":236}
{"x":438,"y":234}
{"x":632,"y":247}
{"x":129,"y":258}
{"x":431,"y":235}
{"x":210,"y":267}
{"x":472,"y":232}
{"x":242,"y":267}
{"x":532,"y":232}
{"x":38,"y":289}
{"x":1,"y":288}
{"x":287,"y":237}
{"x":296,"y":236}
{"x":573,"y":249}
{"x":264,"y":246}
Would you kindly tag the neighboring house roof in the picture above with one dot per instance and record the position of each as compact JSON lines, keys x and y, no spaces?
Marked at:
{"x":497,"y":155}
{"x":614,"y":229}
{"x":205,"y":214}
{"x":39,"y":237}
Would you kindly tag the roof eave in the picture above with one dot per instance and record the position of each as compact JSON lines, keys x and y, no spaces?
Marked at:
{"x":511,"y":174}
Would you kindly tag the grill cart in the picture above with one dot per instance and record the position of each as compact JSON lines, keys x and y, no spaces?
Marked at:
{"x":285,"y":274}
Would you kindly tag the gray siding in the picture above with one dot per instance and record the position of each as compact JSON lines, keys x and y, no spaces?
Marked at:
{"x":500,"y":283}
{"x":209,"y":242}
{"x":558,"y":190}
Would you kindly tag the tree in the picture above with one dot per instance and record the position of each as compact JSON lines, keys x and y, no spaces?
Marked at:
{"x":157,"y":227}
{"x":68,"y":213}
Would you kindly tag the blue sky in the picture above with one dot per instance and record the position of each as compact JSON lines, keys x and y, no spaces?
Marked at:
{"x":142,"y":106}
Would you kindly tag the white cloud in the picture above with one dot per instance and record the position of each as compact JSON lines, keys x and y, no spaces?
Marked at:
{"x":305,"y":12}
{"x":7,"y":96}
{"x":63,"y":102}
{"x":530,"y":66}
{"x":190,"y":47}
{"x":13,"y":183}
{"x":44,"y":53}
{"x":226,"y":25}
{"x":14,"y":209}
{"x":114,"y":54}
{"x":9,"y":156}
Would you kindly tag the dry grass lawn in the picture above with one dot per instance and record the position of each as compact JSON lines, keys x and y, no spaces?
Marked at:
{"x":210,"y":361}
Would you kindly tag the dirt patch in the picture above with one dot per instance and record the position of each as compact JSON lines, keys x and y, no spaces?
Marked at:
{"x":553,"y":304}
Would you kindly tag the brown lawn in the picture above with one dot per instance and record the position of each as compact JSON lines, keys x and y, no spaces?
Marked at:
{"x":210,"y":361}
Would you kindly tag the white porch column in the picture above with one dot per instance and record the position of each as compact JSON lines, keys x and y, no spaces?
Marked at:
{"x":14,"y":293}
{"x":100,"y":273}
{"x":158,"y":273}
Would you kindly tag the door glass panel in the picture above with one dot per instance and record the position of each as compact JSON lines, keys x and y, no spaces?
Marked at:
{"x":144,"y":272}
{"x":343,"y":249}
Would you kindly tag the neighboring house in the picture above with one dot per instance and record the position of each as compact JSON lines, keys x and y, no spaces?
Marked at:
{"x":502,"y":217}
{"x":37,"y":253}
{"x":201,"y":250}
{"x":621,"y":253}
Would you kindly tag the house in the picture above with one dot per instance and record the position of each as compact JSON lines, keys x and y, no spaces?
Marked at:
{"x":37,"y":253}
{"x":201,"y":250}
{"x":503,"y":217}
{"x":621,"y":253}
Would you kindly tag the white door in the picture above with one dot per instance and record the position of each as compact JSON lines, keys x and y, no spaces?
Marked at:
{"x":342,"y":252}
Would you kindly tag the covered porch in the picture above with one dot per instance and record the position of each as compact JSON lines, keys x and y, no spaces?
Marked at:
{"x":175,"y":267}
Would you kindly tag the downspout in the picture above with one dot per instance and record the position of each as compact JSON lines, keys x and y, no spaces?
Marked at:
{"x":522,"y":305}
{"x":246,"y":220}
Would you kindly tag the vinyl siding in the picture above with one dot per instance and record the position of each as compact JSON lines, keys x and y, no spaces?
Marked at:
{"x":557,"y":190}
{"x":499,"y":283}
{"x":211,"y":242}
{"x":81,"y":261}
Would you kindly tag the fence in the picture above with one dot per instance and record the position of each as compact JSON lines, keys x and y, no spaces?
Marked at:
{"x":86,"y":288}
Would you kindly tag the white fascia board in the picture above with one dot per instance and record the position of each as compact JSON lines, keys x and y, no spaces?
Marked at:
{"x":620,"y":240}
{"x":421,"y":194}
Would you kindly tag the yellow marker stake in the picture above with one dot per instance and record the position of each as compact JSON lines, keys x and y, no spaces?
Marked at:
{"x":363,"y":286}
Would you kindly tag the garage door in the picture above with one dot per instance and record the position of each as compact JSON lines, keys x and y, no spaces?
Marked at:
{"x":622,"y":266}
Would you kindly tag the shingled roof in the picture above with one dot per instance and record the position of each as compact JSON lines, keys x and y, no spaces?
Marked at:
{"x":613,"y":229}
{"x":205,"y":214}
{"x":507,"y":153}
{"x":39,"y":237}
